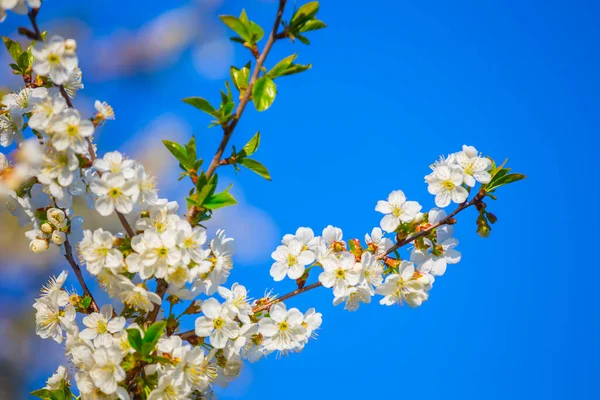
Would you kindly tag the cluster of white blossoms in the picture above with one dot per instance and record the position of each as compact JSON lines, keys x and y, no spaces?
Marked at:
{"x":164,"y":270}
{"x":451,"y":174}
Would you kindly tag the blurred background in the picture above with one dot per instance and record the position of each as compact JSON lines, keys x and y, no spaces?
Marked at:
{"x":394,"y":85}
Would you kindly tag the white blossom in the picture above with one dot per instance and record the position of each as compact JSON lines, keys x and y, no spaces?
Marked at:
{"x":55,"y":58}
{"x":445,"y":183}
{"x":216,"y":323}
{"x":291,"y":260}
{"x":397,"y":210}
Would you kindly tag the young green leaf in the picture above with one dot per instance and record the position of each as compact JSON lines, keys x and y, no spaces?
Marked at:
{"x":305,"y":13}
{"x":255,"y":166}
{"x":205,"y":188}
{"x":219,"y":200}
{"x":153,"y":333}
{"x":180,"y":153}
{"x":14,"y":48}
{"x":240,"y":77}
{"x":250,"y":147}
{"x":257,"y":32}
{"x":263,"y":93}
{"x":312,"y":25}
{"x":281,"y":66}
{"x":43,"y":394}
{"x":202,"y":104}
{"x":238,"y":26}
{"x":190,"y":149}
{"x":135,"y":339}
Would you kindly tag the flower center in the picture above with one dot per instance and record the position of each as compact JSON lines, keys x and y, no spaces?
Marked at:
{"x":448,"y":184}
{"x":72,"y":130}
{"x":114,"y":193}
{"x":284,"y":326}
{"x":218,"y":323}
{"x":163,"y":251}
{"x":53,"y":58}
{"x":340,"y":273}
{"x":102,"y":327}
{"x":396,"y":212}
{"x":292,"y":260}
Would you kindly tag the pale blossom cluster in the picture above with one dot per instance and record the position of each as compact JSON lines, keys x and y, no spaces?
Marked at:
{"x":451,"y":175}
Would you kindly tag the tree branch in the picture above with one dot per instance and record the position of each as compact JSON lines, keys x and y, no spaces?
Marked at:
{"x":79,"y":274}
{"x":38,"y":36}
{"x":230,"y":127}
{"x":161,"y":288}
{"x":449,"y":220}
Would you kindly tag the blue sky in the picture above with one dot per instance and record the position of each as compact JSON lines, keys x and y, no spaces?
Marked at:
{"x":394,"y":85}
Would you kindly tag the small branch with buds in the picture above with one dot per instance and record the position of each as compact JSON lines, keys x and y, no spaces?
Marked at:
{"x":230,"y":127}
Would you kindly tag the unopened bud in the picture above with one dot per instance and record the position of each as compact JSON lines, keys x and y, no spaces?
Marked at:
{"x":484,"y":231}
{"x":46,"y":228}
{"x":492,"y":218}
{"x":57,"y":217}
{"x":38,"y":246}
{"x":58,"y":237}
{"x":70,"y":46}
{"x":420,"y":217}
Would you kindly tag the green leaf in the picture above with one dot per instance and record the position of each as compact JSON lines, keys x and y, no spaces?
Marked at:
{"x":502,"y":178}
{"x":220,"y":200}
{"x":24,"y":61}
{"x":282,"y":66}
{"x":179,"y":152}
{"x":305,"y":13}
{"x":14,"y":48}
{"x":296,"y":69}
{"x":42,"y":394}
{"x":190,"y":149}
{"x":312,"y":25}
{"x":240,"y":77}
{"x":205,"y":188}
{"x":202,"y":104}
{"x":86,"y":302}
{"x":135,"y":339}
{"x":255,"y":166}
{"x":250,"y":147}
{"x":257,"y":32}
{"x":263,"y":93}
{"x":238,"y":26}
{"x":302,"y":39}
{"x":153,"y":333}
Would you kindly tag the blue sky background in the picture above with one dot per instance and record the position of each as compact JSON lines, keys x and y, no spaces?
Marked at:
{"x":394,"y":85}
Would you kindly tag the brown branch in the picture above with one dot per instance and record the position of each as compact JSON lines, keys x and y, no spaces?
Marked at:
{"x":230,"y":127}
{"x":161,"y":288}
{"x":191,"y":335}
{"x":77,"y":269}
{"x":291,"y":294}
{"x":449,"y":220}
{"x":33,"y":18}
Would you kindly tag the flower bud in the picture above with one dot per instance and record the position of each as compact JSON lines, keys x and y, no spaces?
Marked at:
{"x":38,"y":246}
{"x":57,"y":217}
{"x":484,"y":231}
{"x":46,"y":228}
{"x":70,"y":46}
{"x":58,"y":237}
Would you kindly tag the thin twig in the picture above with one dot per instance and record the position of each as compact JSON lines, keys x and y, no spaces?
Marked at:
{"x":230,"y":127}
{"x":33,"y":18}
{"x":77,"y":269}
{"x":448,"y":220}
{"x":161,"y":288}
